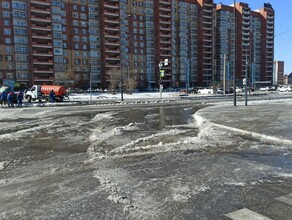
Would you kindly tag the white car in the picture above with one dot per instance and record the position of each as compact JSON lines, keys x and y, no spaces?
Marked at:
{"x":264,"y":88}
{"x":205,"y":91}
{"x":284,"y":89}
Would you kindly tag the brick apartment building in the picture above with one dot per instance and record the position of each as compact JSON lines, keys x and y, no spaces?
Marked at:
{"x":80,"y":42}
{"x":278,"y":72}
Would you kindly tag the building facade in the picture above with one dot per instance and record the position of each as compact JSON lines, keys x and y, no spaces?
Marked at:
{"x":278,"y":72}
{"x":81,"y":43}
{"x":244,"y":44}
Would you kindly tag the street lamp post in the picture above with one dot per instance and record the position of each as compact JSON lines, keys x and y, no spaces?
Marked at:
{"x":224,"y":74}
{"x":245,"y":84}
{"x":160,"y":84}
{"x":245,"y":80}
{"x":90,"y":87}
{"x":121,"y":81}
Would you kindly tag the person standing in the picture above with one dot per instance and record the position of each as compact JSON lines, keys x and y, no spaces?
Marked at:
{"x":3,"y":98}
{"x":10,"y":99}
{"x":19,"y":99}
{"x":52,"y":96}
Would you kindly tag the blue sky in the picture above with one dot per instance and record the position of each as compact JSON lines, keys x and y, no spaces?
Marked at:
{"x":283,"y":27}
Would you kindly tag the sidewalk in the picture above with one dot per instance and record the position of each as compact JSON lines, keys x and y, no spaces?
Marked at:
{"x":268,"y":121}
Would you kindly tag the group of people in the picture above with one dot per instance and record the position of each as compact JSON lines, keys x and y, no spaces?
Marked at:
{"x":8,"y":98}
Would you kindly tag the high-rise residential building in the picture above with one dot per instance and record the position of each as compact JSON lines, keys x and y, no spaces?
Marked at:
{"x":83,"y":42}
{"x":278,"y":72}
{"x":252,"y":53}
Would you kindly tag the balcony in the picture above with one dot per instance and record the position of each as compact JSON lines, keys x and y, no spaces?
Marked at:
{"x":48,"y":70}
{"x":165,"y":28}
{"x":44,"y":54}
{"x":111,"y":21}
{"x":165,"y":48}
{"x":42,"y":28}
{"x":40,"y":2}
{"x":109,"y":14}
{"x":36,"y":19}
{"x":167,"y":22}
{"x":42,"y":45}
{"x":110,"y":43}
{"x":166,"y":35}
{"x":163,"y":2}
{"x":163,"y":42}
{"x":245,"y":22}
{"x":164,"y":15}
{"x":111,"y":36}
{"x":111,"y":6}
{"x":40,"y":11}
{"x":112,"y":65}
{"x":42,"y":36}
{"x":109,"y":28}
{"x":39,"y":62}
{"x":108,"y":51}
{"x":161,"y":8}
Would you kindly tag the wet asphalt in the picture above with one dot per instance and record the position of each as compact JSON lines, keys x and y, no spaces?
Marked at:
{"x":153,"y":162}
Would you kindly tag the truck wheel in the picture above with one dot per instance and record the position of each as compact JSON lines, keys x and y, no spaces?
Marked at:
{"x":29,"y":98}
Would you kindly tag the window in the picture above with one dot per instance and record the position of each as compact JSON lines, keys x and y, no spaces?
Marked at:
{"x":8,"y":58}
{"x":6,"y":22}
{"x":76,"y":38}
{"x":58,"y":51}
{"x":83,"y":16}
{"x":7,"y":32}
{"x":7,"y":40}
{"x":6,"y":14}
{"x":5,"y":5}
{"x":8,"y":49}
{"x":19,"y":5}
{"x":21,"y":49}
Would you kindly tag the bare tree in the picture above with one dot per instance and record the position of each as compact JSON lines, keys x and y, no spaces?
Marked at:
{"x":114,"y":79}
{"x":131,"y":82}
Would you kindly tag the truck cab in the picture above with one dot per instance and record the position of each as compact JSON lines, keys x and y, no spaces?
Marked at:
{"x":34,"y":93}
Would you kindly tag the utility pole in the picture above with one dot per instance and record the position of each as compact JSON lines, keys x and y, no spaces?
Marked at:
{"x":165,"y":63}
{"x":121,"y":81}
{"x":224,"y":75}
{"x":245,"y":83}
{"x":188,"y":75}
{"x":234,"y":65}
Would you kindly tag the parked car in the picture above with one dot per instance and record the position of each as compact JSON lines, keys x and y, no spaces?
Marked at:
{"x":238,"y":90}
{"x":205,"y":91}
{"x":266,"y":88}
{"x":221,"y":91}
{"x":284,"y":89}
{"x":271,"y":88}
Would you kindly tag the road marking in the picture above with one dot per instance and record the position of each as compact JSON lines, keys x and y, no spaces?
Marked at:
{"x":286,"y":199}
{"x":246,"y":214}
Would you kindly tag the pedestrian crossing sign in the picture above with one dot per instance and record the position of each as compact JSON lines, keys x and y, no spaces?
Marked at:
{"x":161,"y":73}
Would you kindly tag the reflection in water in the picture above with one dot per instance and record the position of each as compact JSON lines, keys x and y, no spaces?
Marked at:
{"x":162,"y":118}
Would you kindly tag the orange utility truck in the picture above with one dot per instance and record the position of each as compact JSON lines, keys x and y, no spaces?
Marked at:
{"x":42,"y":92}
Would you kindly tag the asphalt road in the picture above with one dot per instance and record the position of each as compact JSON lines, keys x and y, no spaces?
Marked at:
{"x":139,"y":161}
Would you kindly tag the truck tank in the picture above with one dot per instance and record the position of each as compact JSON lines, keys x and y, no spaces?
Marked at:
{"x":58,"y":90}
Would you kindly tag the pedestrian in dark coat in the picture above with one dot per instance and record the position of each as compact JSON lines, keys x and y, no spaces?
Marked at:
{"x":3,"y":98}
{"x":52,"y":96}
{"x":10,"y":99}
{"x":19,"y":99}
